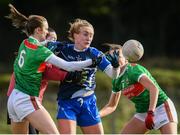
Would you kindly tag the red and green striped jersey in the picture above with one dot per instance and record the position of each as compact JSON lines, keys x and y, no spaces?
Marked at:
{"x":29,"y":65}
{"x":128,"y":83}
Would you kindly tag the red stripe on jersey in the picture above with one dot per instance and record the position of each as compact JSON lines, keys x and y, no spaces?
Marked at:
{"x":133,"y":64}
{"x":30,"y":45}
{"x":133,"y":90}
{"x":33,"y":100}
{"x":42,"y":67}
{"x":168,"y":111}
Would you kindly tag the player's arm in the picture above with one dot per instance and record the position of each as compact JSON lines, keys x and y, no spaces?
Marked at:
{"x":56,"y":74}
{"x":53,"y":73}
{"x":69,"y":66}
{"x":149,"y":85}
{"x":112,"y":72}
{"x":109,"y":67}
{"x":111,"y":105}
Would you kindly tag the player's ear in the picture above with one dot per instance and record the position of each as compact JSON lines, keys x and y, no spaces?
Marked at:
{"x":38,"y":30}
{"x":75,"y":35}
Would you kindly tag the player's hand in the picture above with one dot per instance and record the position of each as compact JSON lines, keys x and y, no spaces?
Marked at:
{"x":76,"y":77}
{"x":149,"y":121}
{"x":113,"y":58}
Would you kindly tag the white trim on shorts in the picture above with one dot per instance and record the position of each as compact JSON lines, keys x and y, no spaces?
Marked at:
{"x":164,"y":114}
{"x":20,"y":105}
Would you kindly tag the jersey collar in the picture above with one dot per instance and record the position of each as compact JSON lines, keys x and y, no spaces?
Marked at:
{"x":77,"y":50}
{"x":34,"y":40}
{"x":125,"y":68}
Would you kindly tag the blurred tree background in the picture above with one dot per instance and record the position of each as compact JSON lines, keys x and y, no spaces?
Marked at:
{"x":155,"y":23}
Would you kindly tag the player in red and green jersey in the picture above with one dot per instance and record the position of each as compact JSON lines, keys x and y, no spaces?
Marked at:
{"x":128,"y":83}
{"x":23,"y":104}
{"x":50,"y":73}
{"x":154,"y":109}
{"x":26,"y":67}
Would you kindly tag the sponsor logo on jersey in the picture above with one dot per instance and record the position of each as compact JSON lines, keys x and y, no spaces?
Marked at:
{"x":71,"y":57}
{"x":133,"y":90}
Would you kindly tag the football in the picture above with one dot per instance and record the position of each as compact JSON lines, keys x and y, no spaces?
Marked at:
{"x":132,"y":50}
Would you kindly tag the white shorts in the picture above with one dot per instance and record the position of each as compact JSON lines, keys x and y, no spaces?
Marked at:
{"x":164,"y":114}
{"x":20,"y":105}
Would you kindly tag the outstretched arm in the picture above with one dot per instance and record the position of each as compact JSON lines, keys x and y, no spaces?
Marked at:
{"x":112,"y":72}
{"x":111,"y":105}
{"x":69,"y":66}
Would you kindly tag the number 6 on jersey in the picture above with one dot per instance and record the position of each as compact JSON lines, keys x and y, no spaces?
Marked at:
{"x":21,"y":58}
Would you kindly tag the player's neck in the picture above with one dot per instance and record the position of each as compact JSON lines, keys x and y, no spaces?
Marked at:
{"x":123,"y":66}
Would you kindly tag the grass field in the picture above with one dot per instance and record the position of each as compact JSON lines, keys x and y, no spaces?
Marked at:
{"x":112,"y":123}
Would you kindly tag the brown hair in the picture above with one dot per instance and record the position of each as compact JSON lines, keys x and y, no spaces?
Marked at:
{"x":112,"y":46}
{"x":27,"y":24}
{"x":76,"y":25}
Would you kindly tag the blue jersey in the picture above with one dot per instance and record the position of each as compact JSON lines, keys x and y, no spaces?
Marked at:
{"x":68,"y":53}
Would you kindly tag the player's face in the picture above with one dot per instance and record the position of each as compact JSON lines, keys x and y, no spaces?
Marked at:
{"x":122,"y":60}
{"x":84,"y":38}
{"x":43,"y":32}
{"x":51,"y":36}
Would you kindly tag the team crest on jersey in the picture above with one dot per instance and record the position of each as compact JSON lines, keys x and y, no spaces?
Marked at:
{"x":125,"y":82}
{"x":78,"y":58}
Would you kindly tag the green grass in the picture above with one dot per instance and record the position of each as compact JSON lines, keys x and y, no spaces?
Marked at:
{"x":168,"y":79}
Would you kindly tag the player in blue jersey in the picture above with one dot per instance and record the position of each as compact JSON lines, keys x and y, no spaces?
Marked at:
{"x":77,"y":102}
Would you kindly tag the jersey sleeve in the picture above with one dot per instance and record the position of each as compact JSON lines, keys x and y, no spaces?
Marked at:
{"x":104,"y":63}
{"x":56,"y":46}
{"x":43,"y":53}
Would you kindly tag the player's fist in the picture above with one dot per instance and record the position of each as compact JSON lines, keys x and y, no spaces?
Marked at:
{"x":149,"y":121}
{"x":113,"y":58}
{"x":79,"y":77}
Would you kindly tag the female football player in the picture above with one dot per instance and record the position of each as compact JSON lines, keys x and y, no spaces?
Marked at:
{"x":23,"y":103}
{"x":51,"y":73}
{"x":154,"y":109}
{"x":77,"y":103}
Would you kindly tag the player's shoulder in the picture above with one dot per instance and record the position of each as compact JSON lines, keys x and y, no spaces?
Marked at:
{"x":94,"y":51}
{"x":67,"y":45}
{"x":135,"y":67}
